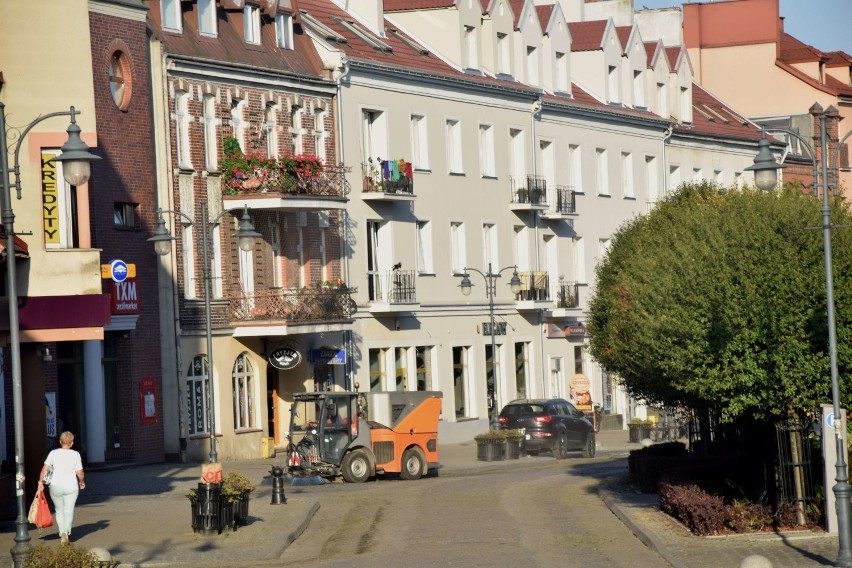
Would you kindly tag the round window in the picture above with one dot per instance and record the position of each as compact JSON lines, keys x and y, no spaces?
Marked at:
{"x":119,"y":80}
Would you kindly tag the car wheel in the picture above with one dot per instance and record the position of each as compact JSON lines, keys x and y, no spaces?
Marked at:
{"x":590,"y":446}
{"x":560,"y":451}
{"x":356,"y":466}
{"x":412,"y":464}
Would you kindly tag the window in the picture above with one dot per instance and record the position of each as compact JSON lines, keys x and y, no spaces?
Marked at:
{"x":171,"y":16}
{"x":216,"y":268}
{"x":492,"y":372}
{"x":119,"y":80}
{"x":603,"y":171}
{"x":685,"y":105}
{"x":284,"y":31}
{"x":277,"y":258}
{"x":207,"y":18}
{"x":300,"y":252}
{"x":697,"y":175}
{"x":319,"y":133}
{"x":652,"y":178}
{"x":423,"y":360}
{"x":419,"y":142}
{"x":454,"y":147}
{"x":612,"y":84}
{"x":489,"y":245}
{"x":504,"y":54}
{"x":627,"y":174}
{"x":486,"y":151}
{"x":547,"y":169}
{"x":460,"y":379}
{"x":182,"y":129}
{"x":471,"y":47}
{"x":296,"y":129}
{"x":638,"y":89}
{"x":246,"y":266}
{"x":457,"y":244}
{"x":197,"y":383}
{"x":603,"y":248}
{"x":738,"y":180}
{"x":674,"y":178}
{"x":424,"y":247}
{"x":374,"y":132}
{"x":532,"y":65}
{"x":270,"y":129}
{"x":561,"y":70}
{"x":245,"y":393}
{"x":521,"y":237}
{"x":521,"y":370}
{"x":580,"y":259}
{"x":112,"y":359}
{"x":211,"y":149}
{"x":401,"y":370}
{"x":251,"y":24}
{"x":718,"y":177}
{"x":377,"y":369}
{"x":125,"y":216}
{"x":575,"y":169}
{"x":662,"y":101}
{"x":59,"y":205}
{"x":517,"y":159}
{"x":238,"y":123}
{"x":578,"y":359}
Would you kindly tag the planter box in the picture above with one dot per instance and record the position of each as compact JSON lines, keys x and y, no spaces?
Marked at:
{"x":206,"y":511}
{"x":513,"y":450}
{"x":490,"y":451}
{"x":241,"y":508}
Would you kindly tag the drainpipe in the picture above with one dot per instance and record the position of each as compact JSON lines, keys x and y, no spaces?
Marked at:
{"x":666,"y":135}
{"x":347,"y":335}
{"x":536,"y":112}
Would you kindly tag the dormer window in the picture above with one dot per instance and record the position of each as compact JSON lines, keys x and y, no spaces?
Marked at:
{"x":685,"y":105}
{"x":662,"y":100}
{"x":532,"y":65}
{"x":561,"y":62}
{"x":171,"y":16}
{"x":638,"y":89}
{"x":251,"y":24}
{"x":471,"y":46}
{"x":504,"y":54}
{"x":284,"y":30}
{"x":612,"y":84}
{"x":207,"y":18}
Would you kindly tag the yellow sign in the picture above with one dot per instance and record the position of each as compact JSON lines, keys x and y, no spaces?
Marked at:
{"x":106,"y":270}
{"x":49,"y":199}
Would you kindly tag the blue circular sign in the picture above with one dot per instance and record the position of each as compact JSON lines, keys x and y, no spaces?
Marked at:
{"x":829,"y":420}
{"x":118,"y":270}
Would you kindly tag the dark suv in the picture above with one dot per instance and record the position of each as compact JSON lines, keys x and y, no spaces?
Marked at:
{"x":550,"y":424}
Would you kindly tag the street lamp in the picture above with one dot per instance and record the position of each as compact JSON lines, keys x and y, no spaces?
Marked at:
{"x":76,"y":157}
{"x":491,"y":289}
{"x":766,"y":177}
{"x":162,"y":240}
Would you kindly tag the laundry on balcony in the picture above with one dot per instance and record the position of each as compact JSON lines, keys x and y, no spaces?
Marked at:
{"x":388,"y":176}
{"x":533,"y":286}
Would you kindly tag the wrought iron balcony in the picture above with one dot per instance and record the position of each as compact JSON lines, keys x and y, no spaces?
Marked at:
{"x":280,"y":190}
{"x":567,"y":295}
{"x":528,"y":192}
{"x":563,"y":203}
{"x":534,"y":287}
{"x":393,"y":289}
{"x":392,"y":177}
{"x":293,"y":305}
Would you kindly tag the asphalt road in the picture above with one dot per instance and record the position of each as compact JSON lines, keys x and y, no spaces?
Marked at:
{"x":550,"y":516}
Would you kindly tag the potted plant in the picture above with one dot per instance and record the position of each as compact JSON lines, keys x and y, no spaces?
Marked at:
{"x":205,"y":504}
{"x":633,"y":429}
{"x":237,"y":488}
{"x":490,"y":446}
{"x":514,"y":438}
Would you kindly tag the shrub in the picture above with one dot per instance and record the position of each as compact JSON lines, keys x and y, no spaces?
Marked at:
{"x":66,"y":555}
{"x":237,"y":482}
{"x":492,"y":436}
{"x":702,"y":513}
{"x":514,"y":435}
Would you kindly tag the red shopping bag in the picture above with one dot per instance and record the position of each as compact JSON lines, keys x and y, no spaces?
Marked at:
{"x":43,"y":518}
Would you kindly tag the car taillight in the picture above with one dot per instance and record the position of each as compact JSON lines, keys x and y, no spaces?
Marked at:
{"x":502,"y":420}
{"x":543,"y":419}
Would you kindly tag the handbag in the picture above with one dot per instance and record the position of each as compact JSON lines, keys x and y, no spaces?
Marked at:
{"x":39,"y":513}
{"x":48,"y":475}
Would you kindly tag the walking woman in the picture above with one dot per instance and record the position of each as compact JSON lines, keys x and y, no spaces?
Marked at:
{"x":66,"y":483}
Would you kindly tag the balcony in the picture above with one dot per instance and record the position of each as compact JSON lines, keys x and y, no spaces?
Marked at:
{"x":276,"y":187}
{"x":291,"y":306}
{"x":535,"y":291}
{"x":567,"y":298}
{"x":392,"y":291}
{"x":387,"y":180}
{"x":563,"y":203}
{"x":528,"y":193}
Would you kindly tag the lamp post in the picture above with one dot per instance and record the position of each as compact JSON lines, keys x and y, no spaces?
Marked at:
{"x":491,"y":289}
{"x":76,"y":157}
{"x":765,"y":170}
{"x":162,"y":240}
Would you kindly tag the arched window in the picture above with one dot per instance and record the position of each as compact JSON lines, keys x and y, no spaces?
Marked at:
{"x":197,"y":384}
{"x":245,"y":387}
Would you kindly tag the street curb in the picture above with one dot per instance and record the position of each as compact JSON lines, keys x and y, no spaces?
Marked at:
{"x":300,"y":527}
{"x":647,"y":539}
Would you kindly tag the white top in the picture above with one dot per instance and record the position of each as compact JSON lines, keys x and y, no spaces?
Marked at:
{"x":66,"y":463}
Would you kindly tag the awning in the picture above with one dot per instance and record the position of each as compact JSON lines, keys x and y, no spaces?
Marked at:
{"x":21,"y":249}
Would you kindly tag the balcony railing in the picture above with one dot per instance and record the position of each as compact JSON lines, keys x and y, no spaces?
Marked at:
{"x":387,"y":176}
{"x":529,"y":190}
{"x":330,"y":182}
{"x":392,"y":287}
{"x":293,"y":305}
{"x":564,"y":200}
{"x":567,"y":295}
{"x":534,"y":287}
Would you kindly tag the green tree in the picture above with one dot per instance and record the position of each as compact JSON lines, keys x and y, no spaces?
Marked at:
{"x":716,"y":299}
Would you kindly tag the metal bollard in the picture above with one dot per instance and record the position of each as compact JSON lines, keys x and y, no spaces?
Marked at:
{"x":278,"y":497}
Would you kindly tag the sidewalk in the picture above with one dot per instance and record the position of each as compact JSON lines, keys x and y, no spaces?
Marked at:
{"x":141,"y":515}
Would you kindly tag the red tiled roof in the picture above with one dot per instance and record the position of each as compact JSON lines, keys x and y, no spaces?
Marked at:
{"x":544,"y":13}
{"x":624,"y":35}
{"x":838,"y":59}
{"x":410,"y":5}
{"x":517,"y":7}
{"x":230,"y":46}
{"x":712,"y":117}
{"x":651,"y":48}
{"x":841,"y":87}
{"x":794,"y":51}
{"x":587,"y":36}
{"x":673,"y":54}
{"x":580,"y":98}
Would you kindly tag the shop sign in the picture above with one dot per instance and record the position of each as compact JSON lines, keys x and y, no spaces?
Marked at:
{"x":124,"y":297}
{"x":285,"y":358}
{"x":575,"y":329}
{"x":328,"y":356}
{"x":499,"y":328}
